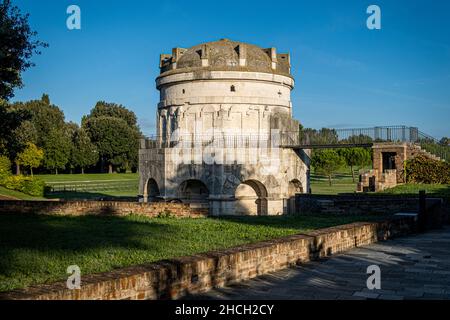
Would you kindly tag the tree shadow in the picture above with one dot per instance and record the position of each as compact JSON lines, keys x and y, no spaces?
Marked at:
{"x":36,"y":247}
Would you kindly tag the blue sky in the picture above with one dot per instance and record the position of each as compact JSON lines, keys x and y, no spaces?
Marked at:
{"x":346,"y":75}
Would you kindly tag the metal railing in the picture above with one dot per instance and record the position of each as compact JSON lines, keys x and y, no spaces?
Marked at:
{"x":304,"y":139}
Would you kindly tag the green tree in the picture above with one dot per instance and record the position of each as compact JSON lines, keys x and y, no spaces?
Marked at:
{"x":355,"y":157}
{"x":115,"y":140}
{"x":30,"y":157}
{"x":5,"y":167}
{"x":10,"y":120}
{"x":43,"y":116}
{"x":445,"y":141}
{"x":84,"y":152}
{"x":107,"y":109}
{"x":17,"y":46}
{"x":57,"y":147}
{"x":102,"y":124}
{"x":327,"y":161}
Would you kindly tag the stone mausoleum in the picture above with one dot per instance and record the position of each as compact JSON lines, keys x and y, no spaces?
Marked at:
{"x":224,"y":108}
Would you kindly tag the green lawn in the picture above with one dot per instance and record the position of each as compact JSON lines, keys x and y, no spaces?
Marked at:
{"x":341,"y":183}
{"x":438,"y":190}
{"x":38,"y":249}
{"x":89,"y":177}
{"x":12,"y":194}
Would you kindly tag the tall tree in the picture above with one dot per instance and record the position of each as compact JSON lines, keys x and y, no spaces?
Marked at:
{"x":17,"y":47}
{"x":355,"y":157}
{"x":102,"y":124}
{"x":10,"y":121}
{"x":43,"y":115}
{"x":115,"y":140}
{"x":30,"y":157}
{"x":84,"y":152}
{"x":327,"y":161}
{"x":57,"y":147}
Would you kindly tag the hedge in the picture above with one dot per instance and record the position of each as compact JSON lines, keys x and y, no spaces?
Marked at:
{"x":422,"y":169}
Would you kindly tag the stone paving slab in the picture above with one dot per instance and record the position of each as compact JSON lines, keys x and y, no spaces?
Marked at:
{"x":415,"y":267}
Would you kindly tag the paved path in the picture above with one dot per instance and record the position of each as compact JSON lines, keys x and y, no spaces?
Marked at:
{"x":416,"y":267}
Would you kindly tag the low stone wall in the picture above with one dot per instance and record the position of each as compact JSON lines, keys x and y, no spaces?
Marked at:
{"x":77,"y":208}
{"x":171,"y":279}
{"x":357,"y":204}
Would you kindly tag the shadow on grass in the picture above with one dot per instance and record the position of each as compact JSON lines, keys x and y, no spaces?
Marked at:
{"x":25,"y":239}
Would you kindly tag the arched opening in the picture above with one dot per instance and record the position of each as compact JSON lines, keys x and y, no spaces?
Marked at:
{"x":251,"y":198}
{"x":193,"y":191}
{"x":294,"y":187}
{"x":151,"y":190}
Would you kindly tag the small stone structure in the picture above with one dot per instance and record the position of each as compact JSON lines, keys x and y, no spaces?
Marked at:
{"x":223,"y":107}
{"x":388,"y":165}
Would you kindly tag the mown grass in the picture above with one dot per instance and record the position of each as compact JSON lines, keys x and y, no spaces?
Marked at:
{"x":93,"y":177}
{"x":12,"y":194}
{"x":38,"y":249}
{"x":435,"y":190}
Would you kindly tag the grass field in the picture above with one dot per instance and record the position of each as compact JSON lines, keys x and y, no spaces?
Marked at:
{"x":84,"y":186}
{"x":38,"y":249}
{"x":341,"y":183}
{"x":437,"y":190}
{"x":89,"y":177}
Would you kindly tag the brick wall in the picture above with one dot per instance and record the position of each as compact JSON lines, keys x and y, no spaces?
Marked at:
{"x":100,"y":207}
{"x":357,"y":204}
{"x":169,"y":279}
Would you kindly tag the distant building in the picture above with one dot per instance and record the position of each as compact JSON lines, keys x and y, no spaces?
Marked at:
{"x":224,"y":107}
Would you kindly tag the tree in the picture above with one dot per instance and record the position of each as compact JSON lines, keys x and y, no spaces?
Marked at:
{"x":57,"y":148}
{"x":16,"y":48}
{"x":5,"y":167}
{"x":107,"y":109}
{"x":43,"y":115}
{"x":115,"y":140}
{"x":110,"y":150}
{"x":355,"y":157}
{"x":84,"y":152}
{"x":30,"y":157}
{"x":10,"y":120}
{"x":445,"y":141}
{"x":327,"y":161}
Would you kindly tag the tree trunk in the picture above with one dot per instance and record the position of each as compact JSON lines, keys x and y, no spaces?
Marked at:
{"x":329,"y":179}
{"x":82,"y":170}
{"x":31,"y":170}
{"x":353,"y":174}
{"x":56,"y":171}
{"x":110,"y":168}
{"x":17,"y":169}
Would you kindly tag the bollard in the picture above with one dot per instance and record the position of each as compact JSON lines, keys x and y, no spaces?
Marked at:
{"x":422,"y":218}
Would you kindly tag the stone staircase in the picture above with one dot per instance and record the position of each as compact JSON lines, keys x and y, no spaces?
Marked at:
{"x":415,"y":150}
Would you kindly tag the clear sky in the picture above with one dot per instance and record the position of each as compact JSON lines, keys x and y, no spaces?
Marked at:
{"x":346,"y":75}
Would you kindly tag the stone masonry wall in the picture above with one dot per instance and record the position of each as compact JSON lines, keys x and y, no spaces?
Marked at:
{"x":171,"y":279}
{"x":77,"y":208}
{"x":356,"y":204}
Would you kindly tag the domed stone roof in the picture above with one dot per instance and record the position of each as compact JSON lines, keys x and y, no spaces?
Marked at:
{"x":225,"y":55}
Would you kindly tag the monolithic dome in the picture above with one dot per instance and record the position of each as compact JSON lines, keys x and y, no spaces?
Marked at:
{"x":224,"y":108}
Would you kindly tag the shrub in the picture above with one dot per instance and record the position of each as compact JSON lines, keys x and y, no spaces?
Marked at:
{"x":425,"y":170}
{"x":29,"y":185}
